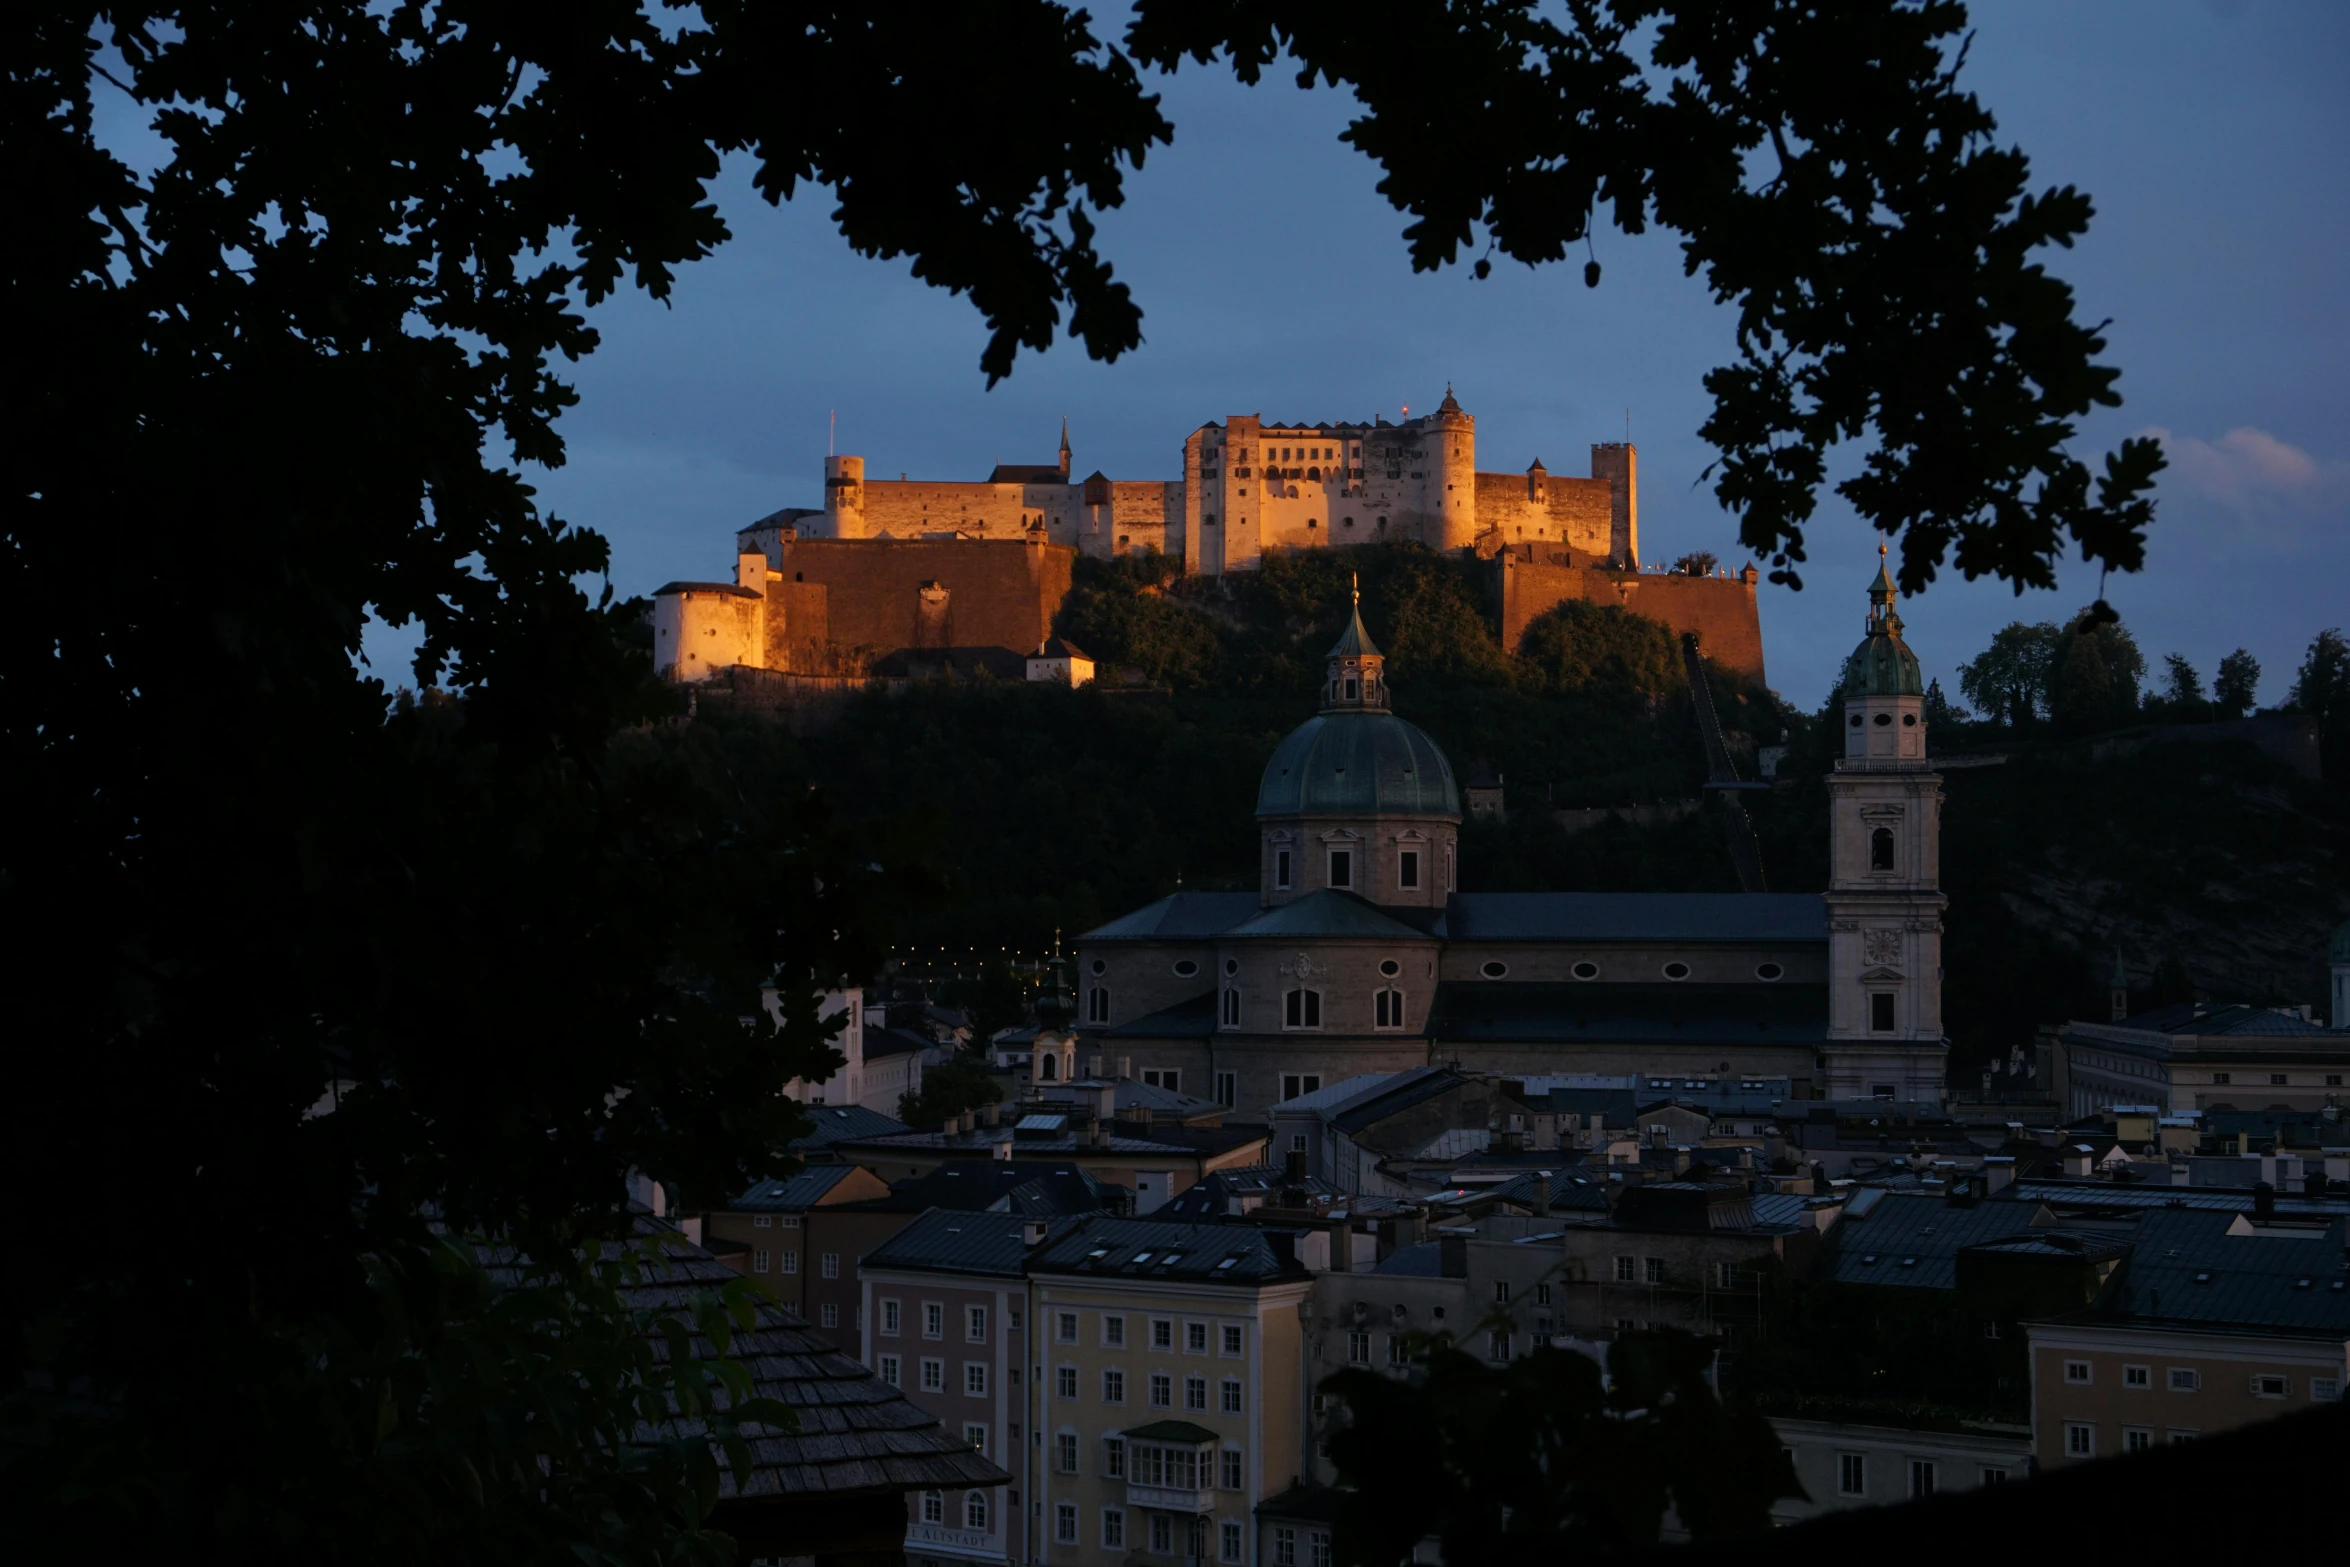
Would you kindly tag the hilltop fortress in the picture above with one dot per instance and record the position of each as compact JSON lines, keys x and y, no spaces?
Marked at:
{"x":892,"y":567}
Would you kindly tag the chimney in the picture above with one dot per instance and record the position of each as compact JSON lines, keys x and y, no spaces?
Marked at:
{"x":991,"y":1116}
{"x":1998,"y":1174}
{"x":1095,"y":1068}
{"x":1126,"y":1066}
{"x":2264,"y":1202}
{"x":1105,"y":1104}
{"x":1452,"y":1256}
{"x":1542,"y":1194}
{"x":1342,"y":1247}
{"x":1032,"y":1232}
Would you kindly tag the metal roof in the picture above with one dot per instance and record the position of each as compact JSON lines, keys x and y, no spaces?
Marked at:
{"x":1346,"y":1090}
{"x":1422,"y":1260}
{"x":834,"y":1122}
{"x":1637,"y":916}
{"x":1915,"y":1240}
{"x":1498,"y":1011}
{"x":1150,"y":1249}
{"x":793,"y":1192}
{"x":2197,"y":1268}
{"x":945,"y":1241}
{"x":1328,"y":914}
{"x":1180,"y":916}
{"x":1393,"y":1099}
{"x":1358,"y":762}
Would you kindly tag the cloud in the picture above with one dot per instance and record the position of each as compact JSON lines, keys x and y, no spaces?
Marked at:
{"x":2246,"y":468}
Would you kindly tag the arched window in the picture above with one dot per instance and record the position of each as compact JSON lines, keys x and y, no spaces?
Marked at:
{"x":975,"y":1510}
{"x":1048,"y":1067}
{"x":1387,"y":1009}
{"x":1231,"y":1009}
{"x":1881,"y":849}
{"x":1301,"y":1008}
{"x":1097,"y":1004}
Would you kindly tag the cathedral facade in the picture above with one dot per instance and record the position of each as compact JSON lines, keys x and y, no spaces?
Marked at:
{"x":1360,"y":952}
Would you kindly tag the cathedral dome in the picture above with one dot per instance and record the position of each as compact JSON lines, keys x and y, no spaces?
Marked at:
{"x":1883,"y":665}
{"x":1358,"y":763}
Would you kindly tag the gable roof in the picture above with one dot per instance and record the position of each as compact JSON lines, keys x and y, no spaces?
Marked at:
{"x":1327,"y":913}
{"x":833,"y":1123}
{"x":945,"y":1241}
{"x":793,"y":1193}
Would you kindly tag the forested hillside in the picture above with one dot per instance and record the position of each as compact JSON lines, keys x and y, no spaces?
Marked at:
{"x":1009,"y":811}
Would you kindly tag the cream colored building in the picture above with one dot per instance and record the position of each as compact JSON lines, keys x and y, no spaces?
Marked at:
{"x":1166,"y":1391}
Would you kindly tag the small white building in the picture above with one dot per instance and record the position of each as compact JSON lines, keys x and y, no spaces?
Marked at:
{"x":1062,"y":663}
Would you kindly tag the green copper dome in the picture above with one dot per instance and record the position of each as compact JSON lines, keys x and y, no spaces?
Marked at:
{"x":1358,"y":763}
{"x":1883,"y":665}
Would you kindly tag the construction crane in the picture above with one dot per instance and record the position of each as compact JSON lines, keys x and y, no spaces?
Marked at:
{"x":1722,"y":779}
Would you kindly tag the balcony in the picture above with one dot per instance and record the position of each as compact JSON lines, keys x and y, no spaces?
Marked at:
{"x":1171,"y":1467}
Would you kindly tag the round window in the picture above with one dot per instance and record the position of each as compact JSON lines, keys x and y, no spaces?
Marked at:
{"x":1884,"y":719}
{"x":1185,"y":969}
{"x":1496,"y":969}
{"x":1391,"y":968}
{"x":1586,"y":971}
{"x":1676,"y":971}
{"x":1232,"y":965}
{"x":1099,"y":967}
{"x":1909,"y":720}
{"x":1856,"y":720}
{"x":1768,"y":971}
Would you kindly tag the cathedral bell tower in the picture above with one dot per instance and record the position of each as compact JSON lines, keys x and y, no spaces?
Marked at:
{"x":1884,"y":883}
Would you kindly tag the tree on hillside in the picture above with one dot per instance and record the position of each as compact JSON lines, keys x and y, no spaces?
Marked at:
{"x":2093,"y":675}
{"x":2236,"y":687}
{"x":2008,"y":681}
{"x":1697,"y":563}
{"x":1577,"y":646}
{"x":2322,"y":690}
{"x":1941,"y":717}
{"x":320,"y":331}
{"x":2182,"y":698}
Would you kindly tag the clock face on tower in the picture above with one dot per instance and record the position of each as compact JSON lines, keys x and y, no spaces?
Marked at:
{"x":1880,"y":947}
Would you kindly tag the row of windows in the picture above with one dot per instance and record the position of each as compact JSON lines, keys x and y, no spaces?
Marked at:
{"x":1852,"y":1474}
{"x":2080,"y":1438}
{"x":975,"y":1509}
{"x":1161,"y":1386}
{"x":934,"y":1320}
{"x":1495,"y":968}
{"x":1160,"y":1333}
{"x":766,"y":1221}
{"x":2275,"y":1079}
{"x":1341,"y":865}
{"x":2186,"y":1379}
{"x":1231,"y":1536}
{"x":788,"y":1262}
{"x":1151,"y":1464}
{"x":934,"y":1375}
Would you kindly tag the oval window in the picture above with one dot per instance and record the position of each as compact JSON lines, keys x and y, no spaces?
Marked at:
{"x":1884,"y":719}
{"x":1676,"y":971}
{"x":1232,"y":965}
{"x":1099,"y":967}
{"x":1495,"y":969}
{"x":1586,"y":971}
{"x":1185,"y":969}
{"x":1391,"y":968}
{"x":1909,"y":720}
{"x":1856,"y":720}
{"x":1768,"y":971}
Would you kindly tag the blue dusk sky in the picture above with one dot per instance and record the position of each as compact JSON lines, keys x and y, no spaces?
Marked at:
{"x":1273,"y":280}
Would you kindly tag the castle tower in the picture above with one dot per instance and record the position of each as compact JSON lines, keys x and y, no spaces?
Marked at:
{"x":1884,"y":893}
{"x":1355,"y":799}
{"x":844,"y":497}
{"x":1453,"y":478}
{"x":1618,"y":462}
{"x":1064,"y":451}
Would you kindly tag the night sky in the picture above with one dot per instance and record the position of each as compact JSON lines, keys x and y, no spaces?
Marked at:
{"x":2211,"y":136}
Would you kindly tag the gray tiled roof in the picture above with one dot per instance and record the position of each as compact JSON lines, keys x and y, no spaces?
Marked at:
{"x":1422,"y":1260}
{"x":1413,"y":1088}
{"x":1501,"y":1012}
{"x":1636,"y":916}
{"x":1915,"y":1240}
{"x":854,"y":1432}
{"x":1148,"y":1249}
{"x":1327,"y":915}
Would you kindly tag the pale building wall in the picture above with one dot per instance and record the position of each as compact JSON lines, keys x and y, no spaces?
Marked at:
{"x":2223,"y":1394}
{"x":703,"y":629}
{"x":1376,"y":846}
{"x":999,"y":1408}
{"x":1889,"y":1456}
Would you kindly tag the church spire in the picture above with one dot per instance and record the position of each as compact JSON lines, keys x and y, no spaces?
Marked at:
{"x":1064,"y":446}
{"x":1357,"y":681}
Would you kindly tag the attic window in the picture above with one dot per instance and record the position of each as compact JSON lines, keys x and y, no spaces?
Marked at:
{"x":1495,"y":969}
{"x":2203,"y":1278}
{"x":1676,"y":971}
{"x":1768,"y":971}
{"x":1185,"y":968}
{"x":1141,"y":1257}
{"x":1227,"y":1262}
{"x":1586,"y":971}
